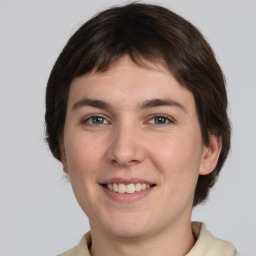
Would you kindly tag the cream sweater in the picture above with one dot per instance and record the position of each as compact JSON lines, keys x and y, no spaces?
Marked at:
{"x":206,"y":244}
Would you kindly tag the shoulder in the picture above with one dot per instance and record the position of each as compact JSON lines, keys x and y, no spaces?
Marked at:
{"x":82,"y":249}
{"x":208,"y":245}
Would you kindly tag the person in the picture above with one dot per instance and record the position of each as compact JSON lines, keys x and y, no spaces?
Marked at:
{"x":136,"y":113}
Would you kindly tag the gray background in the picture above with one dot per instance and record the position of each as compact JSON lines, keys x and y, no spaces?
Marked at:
{"x":39,"y":214}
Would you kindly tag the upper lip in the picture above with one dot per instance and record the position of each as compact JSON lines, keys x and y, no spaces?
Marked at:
{"x":126,"y":181}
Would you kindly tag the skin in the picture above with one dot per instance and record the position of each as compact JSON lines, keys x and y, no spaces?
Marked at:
{"x":129,"y":141}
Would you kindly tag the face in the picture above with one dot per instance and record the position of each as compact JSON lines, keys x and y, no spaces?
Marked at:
{"x":133,"y":149}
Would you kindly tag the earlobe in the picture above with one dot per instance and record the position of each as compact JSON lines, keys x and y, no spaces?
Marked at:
{"x":63,"y":158}
{"x":64,"y":163}
{"x":65,"y":168}
{"x":211,"y":155}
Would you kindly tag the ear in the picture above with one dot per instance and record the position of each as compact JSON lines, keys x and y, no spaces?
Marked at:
{"x":63,"y":156}
{"x":210,"y":155}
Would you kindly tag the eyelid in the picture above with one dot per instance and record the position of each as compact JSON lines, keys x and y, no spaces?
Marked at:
{"x":88,"y":117}
{"x":168,"y":118}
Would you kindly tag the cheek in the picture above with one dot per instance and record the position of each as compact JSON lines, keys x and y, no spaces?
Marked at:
{"x":83,"y":158}
{"x":178,"y":164}
{"x":82,"y":155}
{"x":178,"y":159}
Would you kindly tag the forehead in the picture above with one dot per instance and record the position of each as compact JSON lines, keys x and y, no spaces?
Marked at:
{"x":128,"y":82}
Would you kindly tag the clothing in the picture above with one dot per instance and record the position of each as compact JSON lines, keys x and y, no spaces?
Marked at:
{"x":206,"y":244}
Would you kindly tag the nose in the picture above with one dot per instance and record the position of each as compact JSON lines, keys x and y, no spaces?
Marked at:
{"x":126,"y":148}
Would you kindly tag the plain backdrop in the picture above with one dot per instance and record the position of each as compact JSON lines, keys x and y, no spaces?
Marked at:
{"x":38,"y":212}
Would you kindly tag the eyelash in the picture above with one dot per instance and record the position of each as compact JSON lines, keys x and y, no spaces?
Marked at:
{"x":87,"y":119}
{"x":167,"y":120}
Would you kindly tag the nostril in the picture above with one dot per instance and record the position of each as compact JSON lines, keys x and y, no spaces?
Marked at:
{"x":124,"y":162}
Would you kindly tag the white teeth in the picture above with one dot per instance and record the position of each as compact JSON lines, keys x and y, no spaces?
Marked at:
{"x":115,"y":188}
{"x":121,"y":188}
{"x":130,"y":188}
{"x":143,"y":186}
{"x":138,"y":187}
{"x":110,"y":187}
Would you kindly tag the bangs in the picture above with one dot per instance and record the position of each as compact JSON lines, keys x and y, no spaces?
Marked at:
{"x":130,"y":35}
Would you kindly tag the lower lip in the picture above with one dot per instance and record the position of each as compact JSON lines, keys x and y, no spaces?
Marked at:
{"x":127,"y":197}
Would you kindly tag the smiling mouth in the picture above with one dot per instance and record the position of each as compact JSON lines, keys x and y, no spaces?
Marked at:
{"x":129,"y":188}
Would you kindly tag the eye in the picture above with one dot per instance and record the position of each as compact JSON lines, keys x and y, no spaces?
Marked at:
{"x":95,"y":120}
{"x":160,"y":119}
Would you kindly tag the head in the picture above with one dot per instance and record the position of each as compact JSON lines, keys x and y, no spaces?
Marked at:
{"x":157,"y":35}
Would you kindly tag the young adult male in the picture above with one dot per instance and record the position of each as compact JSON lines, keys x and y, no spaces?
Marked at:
{"x":136,"y":112}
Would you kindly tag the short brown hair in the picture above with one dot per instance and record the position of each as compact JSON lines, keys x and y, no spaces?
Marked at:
{"x":156,"y":34}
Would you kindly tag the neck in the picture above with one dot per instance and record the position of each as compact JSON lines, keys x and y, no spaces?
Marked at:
{"x":176,"y":241}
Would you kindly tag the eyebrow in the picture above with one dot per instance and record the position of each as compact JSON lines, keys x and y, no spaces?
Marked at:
{"x":144,"y":105}
{"x":161,"y":102}
{"x":92,"y":103}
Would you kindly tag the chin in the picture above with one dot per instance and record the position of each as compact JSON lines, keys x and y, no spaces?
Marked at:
{"x":129,"y":233}
{"x":129,"y":227}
